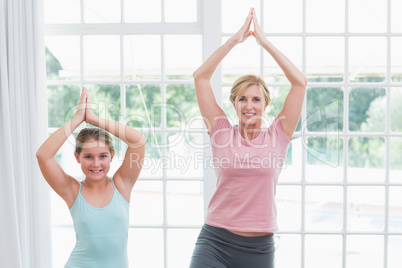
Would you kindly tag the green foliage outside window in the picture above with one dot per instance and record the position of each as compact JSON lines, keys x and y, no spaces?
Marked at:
{"x":367,"y":111}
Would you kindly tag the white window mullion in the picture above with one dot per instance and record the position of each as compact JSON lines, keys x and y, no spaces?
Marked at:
{"x":345,"y":139}
{"x":387,"y":131}
{"x":212,"y":36}
{"x":304,"y":151}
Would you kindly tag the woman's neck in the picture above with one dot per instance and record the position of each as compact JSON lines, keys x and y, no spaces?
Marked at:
{"x":250,"y":131}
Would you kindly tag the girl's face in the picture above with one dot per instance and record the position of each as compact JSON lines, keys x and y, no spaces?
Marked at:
{"x":250,"y":105}
{"x":95,"y":159}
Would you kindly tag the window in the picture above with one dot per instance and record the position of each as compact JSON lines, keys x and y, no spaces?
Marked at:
{"x":339,"y":196}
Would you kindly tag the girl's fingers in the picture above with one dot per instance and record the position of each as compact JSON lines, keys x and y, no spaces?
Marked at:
{"x":83,"y":95}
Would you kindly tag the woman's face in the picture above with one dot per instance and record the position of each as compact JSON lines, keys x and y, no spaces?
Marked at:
{"x":95,"y":159}
{"x":250,"y":105}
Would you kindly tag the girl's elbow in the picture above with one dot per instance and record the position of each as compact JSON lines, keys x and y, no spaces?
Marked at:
{"x":303,"y":81}
{"x":39,"y":154}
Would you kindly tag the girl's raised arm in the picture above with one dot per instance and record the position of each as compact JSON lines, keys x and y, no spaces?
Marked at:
{"x":290,"y":113}
{"x":126,"y":176}
{"x":210,"y":110}
{"x":63,"y":184}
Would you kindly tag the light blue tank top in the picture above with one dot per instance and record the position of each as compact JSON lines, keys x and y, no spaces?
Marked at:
{"x":101,"y":233}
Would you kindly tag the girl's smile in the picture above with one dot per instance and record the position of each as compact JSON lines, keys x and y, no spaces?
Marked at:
{"x":95,"y":159}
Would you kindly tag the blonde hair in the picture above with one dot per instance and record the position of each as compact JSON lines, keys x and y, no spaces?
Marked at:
{"x":244,"y":82}
{"x":94,"y":133}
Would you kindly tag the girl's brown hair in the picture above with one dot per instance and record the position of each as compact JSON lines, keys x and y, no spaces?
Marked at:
{"x":95,"y":133}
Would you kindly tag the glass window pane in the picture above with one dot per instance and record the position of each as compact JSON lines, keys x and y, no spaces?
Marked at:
{"x":324,"y":109}
{"x":278,"y":96}
{"x":234,"y":13}
{"x":395,"y":171}
{"x":63,"y":58}
{"x":60,"y":214}
{"x":394,"y":251}
{"x":62,"y":101}
{"x":180,"y":10}
{"x":289,"y":46}
{"x":396,"y":19}
{"x":185,"y":160}
{"x":367,"y":108}
{"x":324,"y":208}
{"x":323,"y":251}
{"x":66,"y":159}
{"x":142,"y":57}
{"x":365,"y":208}
{"x":367,"y":16}
{"x":395,"y":209}
{"x":324,"y":156}
{"x":153,"y":161}
{"x":288,"y":202}
{"x":325,"y":59}
{"x":145,"y":247}
{"x":180,"y":247}
{"x":396,"y":111}
{"x":396,"y":59}
{"x":279,"y":17}
{"x":292,"y":170}
{"x":181,"y":105}
{"x":227,"y":105}
{"x":62,"y":11}
{"x":241,"y":60}
{"x":185,"y":203}
{"x":325,"y":16}
{"x":142,"y":11}
{"x":105,"y":100}
{"x":102,"y":57}
{"x":367,"y":59}
{"x":288,"y":245}
{"x":180,"y":61}
{"x":366,"y":160}
{"x":147,"y":196}
{"x":61,"y":250}
{"x":143,"y":105}
{"x":102,"y":11}
{"x":364,"y":251}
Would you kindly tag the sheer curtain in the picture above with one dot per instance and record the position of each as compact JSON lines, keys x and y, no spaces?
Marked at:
{"x":24,"y":196}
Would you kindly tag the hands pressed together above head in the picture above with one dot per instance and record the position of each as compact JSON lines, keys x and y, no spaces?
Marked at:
{"x":84,"y":112}
{"x":245,"y":31}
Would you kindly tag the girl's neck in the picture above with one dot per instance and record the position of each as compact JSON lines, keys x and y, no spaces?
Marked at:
{"x":95,"y":184}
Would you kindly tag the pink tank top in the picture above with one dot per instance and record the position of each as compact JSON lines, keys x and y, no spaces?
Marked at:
{"x":247,"y":174}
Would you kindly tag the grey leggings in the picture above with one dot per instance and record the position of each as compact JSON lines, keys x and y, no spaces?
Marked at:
{"x":219,"y":248}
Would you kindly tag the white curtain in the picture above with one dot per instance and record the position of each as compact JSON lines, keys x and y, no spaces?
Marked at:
{"x":24,"y":196}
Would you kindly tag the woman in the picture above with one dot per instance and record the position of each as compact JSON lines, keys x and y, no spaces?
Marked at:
{"x":99,"y":205}
{"x":241,"y":218}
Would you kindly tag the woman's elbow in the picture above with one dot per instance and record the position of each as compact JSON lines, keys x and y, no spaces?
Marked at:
{"x":196,"y":75}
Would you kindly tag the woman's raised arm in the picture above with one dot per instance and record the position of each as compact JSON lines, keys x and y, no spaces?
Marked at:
{"x":210,"y":110}
{"x":290,"y":113}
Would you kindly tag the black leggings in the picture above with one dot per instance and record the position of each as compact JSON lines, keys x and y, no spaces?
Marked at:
{"x":219,"y":248}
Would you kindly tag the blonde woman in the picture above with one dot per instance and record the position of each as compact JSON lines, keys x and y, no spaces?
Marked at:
{"x":241,"y":219}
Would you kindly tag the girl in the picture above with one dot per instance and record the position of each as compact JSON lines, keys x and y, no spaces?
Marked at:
{"x":99,"y":205}
{"x":241,"y":217}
